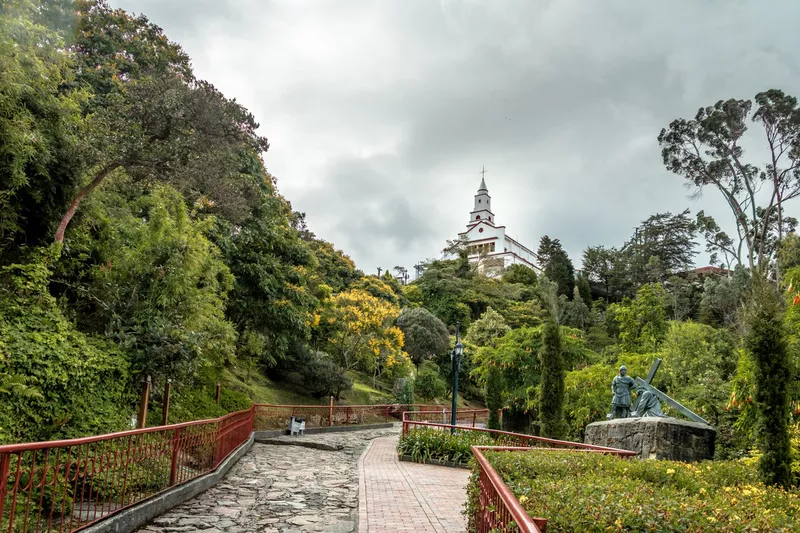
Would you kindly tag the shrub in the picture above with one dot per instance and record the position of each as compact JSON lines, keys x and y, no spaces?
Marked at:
{"x":426,"y":444}
{"x":429,"y":385}
{"x":405,"y":391}
{"x":323,"y":377}
{"x":78,"y":382}
{"x":578,"y":492}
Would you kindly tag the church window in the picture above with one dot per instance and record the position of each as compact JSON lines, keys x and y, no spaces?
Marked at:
{"x":480,"y":230}
{"x":491,"y":247}
{"x":477,"y":217}
{"x":479,"y":201}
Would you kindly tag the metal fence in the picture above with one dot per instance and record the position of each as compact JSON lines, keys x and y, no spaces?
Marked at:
{"x":275,"y":416}
{"x":67,"y":485}
{"x":464,"y":417}
{"x":498,"y":509}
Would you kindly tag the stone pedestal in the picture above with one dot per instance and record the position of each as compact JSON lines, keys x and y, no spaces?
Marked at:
{"x":655,"y":438}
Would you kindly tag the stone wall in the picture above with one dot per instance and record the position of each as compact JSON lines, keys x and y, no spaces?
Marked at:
{"x":655,"y":438}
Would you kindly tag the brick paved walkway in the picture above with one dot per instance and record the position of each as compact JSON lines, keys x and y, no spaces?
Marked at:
{"x":400,"y":496}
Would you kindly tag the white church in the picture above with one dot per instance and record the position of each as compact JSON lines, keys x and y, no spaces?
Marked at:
{"x":488,"y":245}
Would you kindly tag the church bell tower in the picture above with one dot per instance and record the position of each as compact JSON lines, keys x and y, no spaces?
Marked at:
{"x":483,"y":204}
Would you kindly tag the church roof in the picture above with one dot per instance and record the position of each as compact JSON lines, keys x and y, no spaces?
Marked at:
{"x":483,"y":186}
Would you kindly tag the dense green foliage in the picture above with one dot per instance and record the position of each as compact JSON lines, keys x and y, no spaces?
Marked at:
{"x":494,"y":396}
{"x":74,"y":382}
{"x":141,"y":235}
{"x":580,"y":492}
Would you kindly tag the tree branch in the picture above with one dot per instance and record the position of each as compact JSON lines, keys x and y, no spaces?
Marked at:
{"x":76,"y":202}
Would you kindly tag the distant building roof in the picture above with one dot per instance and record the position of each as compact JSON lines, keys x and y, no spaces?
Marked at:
{"x":703,"y":271}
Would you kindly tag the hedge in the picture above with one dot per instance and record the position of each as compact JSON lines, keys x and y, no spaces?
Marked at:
{"x":589,"y":492}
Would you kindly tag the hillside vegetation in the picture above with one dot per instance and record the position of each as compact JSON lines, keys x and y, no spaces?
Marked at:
{"x":142,"y":237}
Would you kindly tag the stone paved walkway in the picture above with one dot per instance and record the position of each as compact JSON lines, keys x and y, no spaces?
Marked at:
{"x":401,"y":496}
{"x":293,"y":489}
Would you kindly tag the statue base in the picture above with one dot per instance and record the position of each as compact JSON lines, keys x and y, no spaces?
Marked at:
{"x":655,"y":438}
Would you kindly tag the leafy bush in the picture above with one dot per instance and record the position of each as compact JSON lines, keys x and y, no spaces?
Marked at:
{"x":323,"y":377}
{"x":587,"y":492}
{"x":429,"y":384}
{"x":81,"y":380}
{"x":405,"y":391}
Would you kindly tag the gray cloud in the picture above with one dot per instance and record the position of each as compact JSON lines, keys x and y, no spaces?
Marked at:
{"x":381,"y":114}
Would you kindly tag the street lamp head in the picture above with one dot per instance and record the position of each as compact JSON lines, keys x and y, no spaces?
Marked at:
{"x":459,"y":350}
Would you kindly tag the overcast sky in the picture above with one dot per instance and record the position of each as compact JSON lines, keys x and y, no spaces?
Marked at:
{"x":380,"y":114}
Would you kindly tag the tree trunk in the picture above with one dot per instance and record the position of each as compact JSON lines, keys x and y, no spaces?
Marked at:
{"x":76,"y":202}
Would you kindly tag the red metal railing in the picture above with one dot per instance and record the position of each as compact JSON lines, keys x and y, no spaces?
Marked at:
{"x":498,"y":509}
{"x":275,"y":416}
{"x":464,"y":417}
{"x":67,"y":485}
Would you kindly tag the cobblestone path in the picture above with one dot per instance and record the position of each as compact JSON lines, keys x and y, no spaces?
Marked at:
{"x":281,"y":489}
{"x":400,"y":496}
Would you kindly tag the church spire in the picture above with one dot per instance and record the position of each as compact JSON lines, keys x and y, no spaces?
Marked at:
{"x":483,"y":203}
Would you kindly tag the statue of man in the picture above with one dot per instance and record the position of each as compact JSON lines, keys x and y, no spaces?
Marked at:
{"x":648,"y":404}
{"x":621,"y":389}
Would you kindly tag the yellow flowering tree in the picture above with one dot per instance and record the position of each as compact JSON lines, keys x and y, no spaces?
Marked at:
{"x":361,"y":334}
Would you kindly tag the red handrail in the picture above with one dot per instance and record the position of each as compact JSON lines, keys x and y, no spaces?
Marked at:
{"x":497,"y":504}
{"x":521,"y":436}
{"x":498,"y":509}
{"x":66,"y":485}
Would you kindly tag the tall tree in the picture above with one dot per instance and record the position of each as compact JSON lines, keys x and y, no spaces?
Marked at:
{"x":551,"y":390}
{"x":708,"y":152}
{"x":666,"y":237}
{"x":153,"y":119}
{"x":556,"y":265}
{"x":602,"y":265}
{"x":39,"y":126}
{"x":767,"y":342}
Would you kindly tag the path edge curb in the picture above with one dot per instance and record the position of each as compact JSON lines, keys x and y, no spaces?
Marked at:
{"x":362,"y":491}
{"x":432,"y":462}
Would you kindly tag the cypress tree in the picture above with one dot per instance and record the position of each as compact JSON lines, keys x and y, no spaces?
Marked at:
{"x":494,"y":395}
{"x":767,"y":343}
{"x":551,"y":391}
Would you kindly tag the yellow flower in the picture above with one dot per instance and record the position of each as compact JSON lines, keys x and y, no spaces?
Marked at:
{"x":670,"y":471}
{"x":523,"y":499}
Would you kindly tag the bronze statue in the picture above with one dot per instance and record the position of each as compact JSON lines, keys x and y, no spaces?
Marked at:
{"x":621,"y":389}
{"x":647,"y":403}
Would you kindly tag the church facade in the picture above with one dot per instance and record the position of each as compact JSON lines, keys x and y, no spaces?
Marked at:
{"x":487,"y":244}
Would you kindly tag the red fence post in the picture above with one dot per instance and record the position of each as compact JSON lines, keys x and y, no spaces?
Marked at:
{"x":5,"y":461}
{"x":330,"y":416}
{"x":173,"y":469}
{"x":474,"y":413}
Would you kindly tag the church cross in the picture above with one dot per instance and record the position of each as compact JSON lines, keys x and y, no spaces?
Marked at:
{"x":483,"y":172}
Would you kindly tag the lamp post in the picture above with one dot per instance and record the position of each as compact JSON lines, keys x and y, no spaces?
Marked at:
{"x":455,"y":359}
